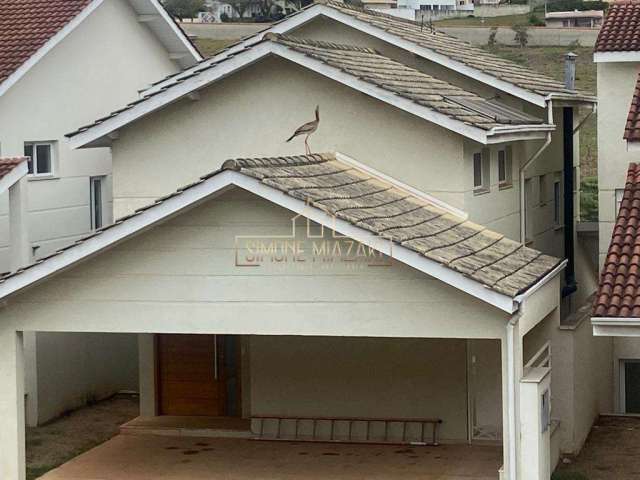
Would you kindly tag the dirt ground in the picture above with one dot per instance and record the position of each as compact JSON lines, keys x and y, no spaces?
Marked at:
{"x":57,"y":442}
{"x":612,"y":452}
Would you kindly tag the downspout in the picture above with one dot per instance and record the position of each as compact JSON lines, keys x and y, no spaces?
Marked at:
{"x":523,"y":168}
{"x":512,"y":394}
{"x":568,"y":152}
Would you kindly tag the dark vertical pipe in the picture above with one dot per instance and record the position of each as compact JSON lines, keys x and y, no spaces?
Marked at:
{"x":569,"y":247}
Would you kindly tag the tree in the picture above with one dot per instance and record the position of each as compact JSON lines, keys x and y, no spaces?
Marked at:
{"x":264,"y":6}
{"x":182,"y":9}
{"x":522,"y":35}
{"x":239,"y":6}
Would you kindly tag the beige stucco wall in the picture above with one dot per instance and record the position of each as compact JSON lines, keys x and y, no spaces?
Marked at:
{"x":252,"y":113}
{"x":616,"y":83}
{"x":98,"y":67}
{"x":363,"y":377}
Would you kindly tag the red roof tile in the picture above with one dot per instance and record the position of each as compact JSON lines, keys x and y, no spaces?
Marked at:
{"x":632,"y":128}
{"x":7,"y":164}
{"x":619,"y":290}
{"x":26,"y":25}
{"x":621,"y":29}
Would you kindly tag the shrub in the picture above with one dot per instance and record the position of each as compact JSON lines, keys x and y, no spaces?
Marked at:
{"x":588,"y":213}
{"x":491,"y":42}
{"x":566,"y":475}
{"x":521,"y":35}
{"x":535,"y":20}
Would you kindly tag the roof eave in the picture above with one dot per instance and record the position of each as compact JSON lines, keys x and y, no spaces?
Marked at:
{"x":510,"y":133}
{"x":571,"y":99}
{"x":633,"y":146}
{"x":615,"y":326}
{"x":216,"y":184}
{"x":98,"y":135}
{"x":613,"y":57}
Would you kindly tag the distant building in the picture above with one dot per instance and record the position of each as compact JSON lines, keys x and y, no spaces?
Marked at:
{"x":575,"y":19}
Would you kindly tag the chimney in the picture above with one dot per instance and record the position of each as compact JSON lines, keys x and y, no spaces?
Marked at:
{"x":570,"y":71}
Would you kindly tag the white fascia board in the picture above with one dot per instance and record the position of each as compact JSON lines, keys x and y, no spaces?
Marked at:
{"x":519,"y":132}
{"x":633,"y":146}
{"x":170,"y":95}
{"x":217,"y":184}
{"x":13,"y":176}
{"x":176,"y":30}
{"x":232,"y":64}
{"x":615,"y":327}
{"x":541,"y":283}
{"x":12,"y":79}
{"x":610,"y":57}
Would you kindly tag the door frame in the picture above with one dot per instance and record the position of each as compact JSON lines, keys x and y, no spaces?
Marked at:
{"x":622,"y":382}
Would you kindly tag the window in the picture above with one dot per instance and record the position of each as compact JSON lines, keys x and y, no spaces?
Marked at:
{"x":619,"y":197}
{"x":96,"y":184}
{"x":481,"y":171}
{"x":40,"y":158}
{"x":556,"y":203}
{"x":505,"y":167}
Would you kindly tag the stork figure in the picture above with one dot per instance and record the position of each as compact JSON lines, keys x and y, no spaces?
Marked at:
{"x":307,"y":129}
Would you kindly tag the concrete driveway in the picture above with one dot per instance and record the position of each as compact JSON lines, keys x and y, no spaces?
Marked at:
{"x":146,"y":457}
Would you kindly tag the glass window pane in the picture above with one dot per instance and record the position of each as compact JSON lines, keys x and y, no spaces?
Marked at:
{"x":28,"y":152}
{"x":502,"y":168}
{"x":43,"y":158}
{"x":477,"y":170}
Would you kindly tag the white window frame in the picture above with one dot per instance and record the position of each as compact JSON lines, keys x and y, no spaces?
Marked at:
{"x":34,"y":159}
{"x":619,"y":196}
{"x":557,"y":202}
{"x":485,"y":171}
{"x":507,"y":154}
{"x":93,"y":181}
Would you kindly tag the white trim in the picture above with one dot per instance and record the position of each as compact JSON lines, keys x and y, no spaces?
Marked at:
{"x":259,"y":51}
{"x":12,"y":79}
{"x":616,"y":321}
{"x":607,"y":57}
{"x":13,"y":176}
{"x":633,"y":146}
{"x":176,"y":30}
{"x":218,"y":183}
{"x":401,"y":186}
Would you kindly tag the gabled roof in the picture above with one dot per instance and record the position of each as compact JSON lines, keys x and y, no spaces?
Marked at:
{"x":619,"y":37}
{"x":619,"y":289}
{"x":632,"y":127}
{"x":30,"y":28}
{"x":360,"y":68}
{"x":431,"y":44}
{"x":12,"y":169}
{"x":354,"y":201}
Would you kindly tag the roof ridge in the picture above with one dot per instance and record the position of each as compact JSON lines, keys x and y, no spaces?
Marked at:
{"x":289,"y":161}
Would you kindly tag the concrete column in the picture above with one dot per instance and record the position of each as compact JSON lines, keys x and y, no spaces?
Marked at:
{"x":147,"y":373}
{"x":511,"y":374}
{"x":12,"y":430}
{"x":31,"y":377}
{"x":18,"y":221}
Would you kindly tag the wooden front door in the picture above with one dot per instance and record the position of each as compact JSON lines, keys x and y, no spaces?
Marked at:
{"x":190,"y":377}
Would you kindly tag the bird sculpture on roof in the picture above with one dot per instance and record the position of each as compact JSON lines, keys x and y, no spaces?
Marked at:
{"x":307,"y":129}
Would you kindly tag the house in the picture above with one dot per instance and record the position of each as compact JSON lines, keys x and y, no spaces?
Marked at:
{"x":617,"y":55}
{"x":575,"y":19}
{"x":62,"y":62}
{"x":450,"y":170}
{"x":493,"y":302}
{"x":436,"y":7}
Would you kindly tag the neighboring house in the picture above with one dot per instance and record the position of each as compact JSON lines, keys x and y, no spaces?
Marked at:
{"x":617,"y":55}
{"x":63,"y":62}
{"x":477,"y":132}
{"x":575,"y":19}
{"x":437,"y":7}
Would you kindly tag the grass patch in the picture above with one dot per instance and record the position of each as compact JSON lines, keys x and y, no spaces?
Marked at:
{"x":209,"y":46}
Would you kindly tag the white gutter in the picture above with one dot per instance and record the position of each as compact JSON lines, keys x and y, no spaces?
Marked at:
{"x":511,"y":395}
{"x":523,"y":168}
{"x":519,"y":299}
